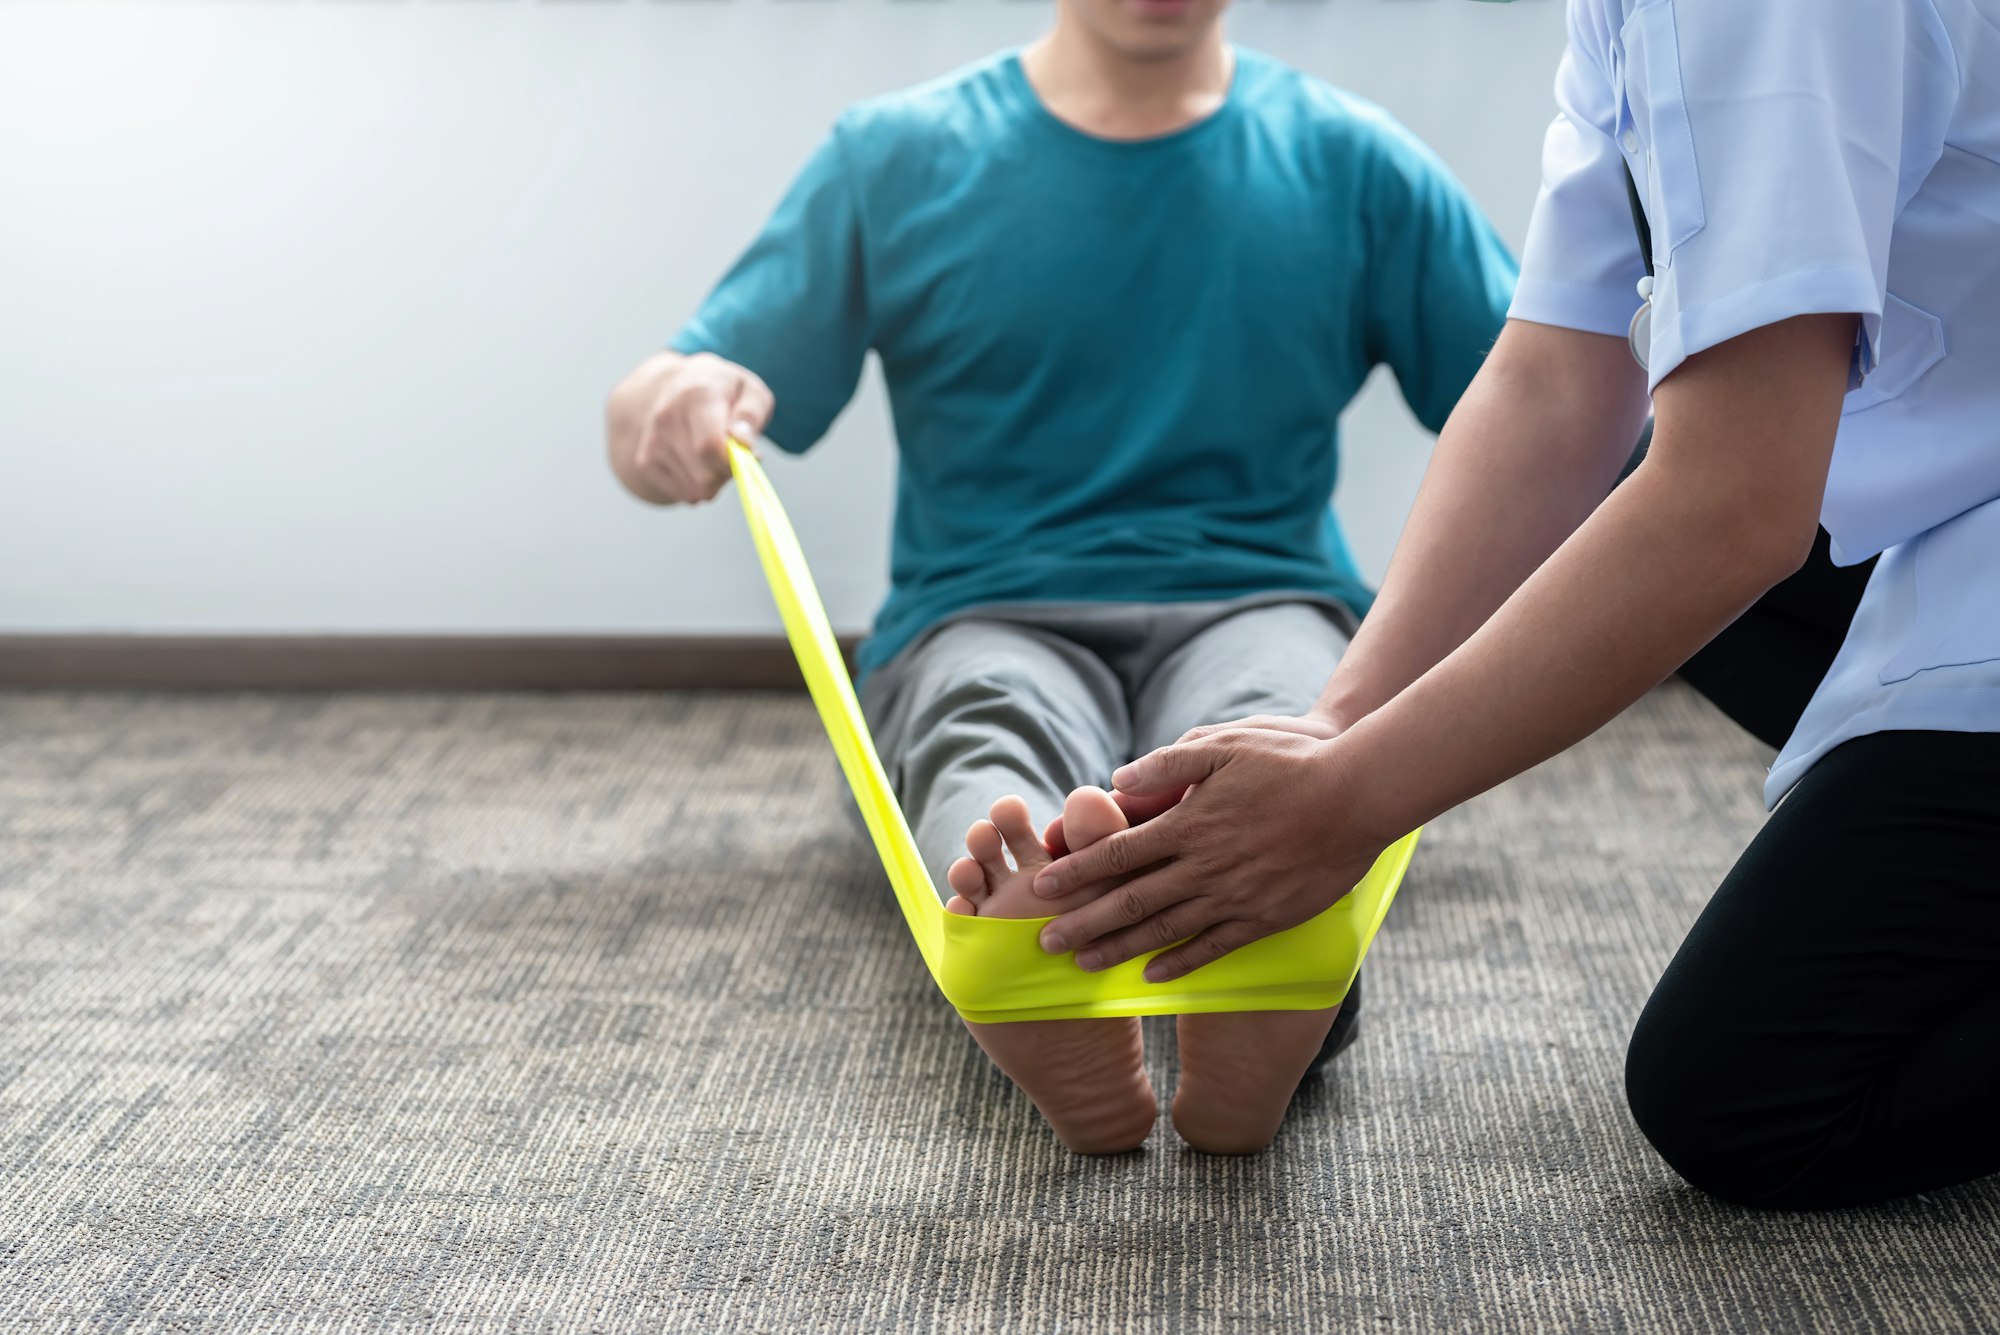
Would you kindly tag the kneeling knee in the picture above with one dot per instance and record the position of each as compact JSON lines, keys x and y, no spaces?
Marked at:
{"x":1706,"y":1123}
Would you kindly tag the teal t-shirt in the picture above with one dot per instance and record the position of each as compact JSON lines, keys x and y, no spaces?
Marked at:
{"x":1116,"y":367}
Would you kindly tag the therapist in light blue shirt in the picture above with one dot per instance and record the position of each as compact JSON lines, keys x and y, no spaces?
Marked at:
{"x":1806,"y":196}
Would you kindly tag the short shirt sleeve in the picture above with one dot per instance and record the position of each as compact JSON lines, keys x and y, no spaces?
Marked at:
{"x":1439,"y":276}
{"x":794,"y":309}
{"x":1581,"y":266}
{"x":1784,"y":138}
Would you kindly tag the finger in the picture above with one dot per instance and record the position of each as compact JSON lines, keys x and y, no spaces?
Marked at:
{"x":1235,"y":725}
{"x":750,"y":406}
{"x":707,"y":424}
{"x":1108,"y":859}
{"x":1204,"y":949}
{"x":1297,"y":725}
{"x":1174,"y":768}
{"x":1177,"y":922}
{"x":1119,"y":915}
{"x":1010,"y":816}
{"x":653,"y":457}
{"x":1140,"y":808}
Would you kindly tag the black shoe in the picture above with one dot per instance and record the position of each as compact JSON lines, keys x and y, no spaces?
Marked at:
{"x":1346,"y":1028}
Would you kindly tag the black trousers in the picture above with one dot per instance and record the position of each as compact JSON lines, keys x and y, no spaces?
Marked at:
{"x":1829,"y":1032}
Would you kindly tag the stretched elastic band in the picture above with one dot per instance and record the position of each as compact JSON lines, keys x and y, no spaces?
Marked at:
{"x":994,"y":969}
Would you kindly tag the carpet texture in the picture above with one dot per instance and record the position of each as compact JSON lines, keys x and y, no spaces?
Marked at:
{"x":592,"y":1013}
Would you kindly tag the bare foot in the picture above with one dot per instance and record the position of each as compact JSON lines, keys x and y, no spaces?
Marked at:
{"x":1239,"y":1072}
{"x":1087,"y":1077}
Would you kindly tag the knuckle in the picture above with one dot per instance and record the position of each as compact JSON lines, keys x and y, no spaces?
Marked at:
{"x":1131,"y":909}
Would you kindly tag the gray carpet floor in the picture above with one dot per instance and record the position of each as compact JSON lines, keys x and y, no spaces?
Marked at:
{"x":592,"y":1013}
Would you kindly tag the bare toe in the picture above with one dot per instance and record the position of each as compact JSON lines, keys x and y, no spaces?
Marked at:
{"x":968,"y":879}
{"x":1010,"y":817}
{"x":1090,"y":815}
{"x":983,"y":842}
{"x":962,"y":906}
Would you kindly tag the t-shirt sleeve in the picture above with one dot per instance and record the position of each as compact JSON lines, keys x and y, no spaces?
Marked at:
{"x":1581,"y":266}
{"x":1439,"y":277}
{"x":794,"y":308}
{"x":1785,"y":136}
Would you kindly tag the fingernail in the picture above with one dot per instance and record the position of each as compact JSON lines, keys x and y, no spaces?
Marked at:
{"x":1089,"y":960}
{"x":1052,"y":941}
{"x":1045,"y":882}
{"x":741,"y":429}
{"x":1123,"y":775}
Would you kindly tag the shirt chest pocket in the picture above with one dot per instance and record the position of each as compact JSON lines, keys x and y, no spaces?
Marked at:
{"x":1653,"y":128}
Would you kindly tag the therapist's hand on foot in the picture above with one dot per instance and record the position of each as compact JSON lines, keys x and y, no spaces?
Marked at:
{"x":1270,"y":833}
{"x":1135,"y":809}
{"x":1142,"y":807}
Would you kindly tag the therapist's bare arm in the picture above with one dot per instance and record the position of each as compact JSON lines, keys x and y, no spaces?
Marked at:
{"x":667,"y":425}
{"x":1529,"y":452}
{"x":1725,"y":506}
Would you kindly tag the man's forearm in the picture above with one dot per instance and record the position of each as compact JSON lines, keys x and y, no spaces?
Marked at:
{"x":1527,"y":455}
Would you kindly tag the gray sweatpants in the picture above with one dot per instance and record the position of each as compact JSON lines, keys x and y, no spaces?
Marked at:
{"x":1039,"y":699}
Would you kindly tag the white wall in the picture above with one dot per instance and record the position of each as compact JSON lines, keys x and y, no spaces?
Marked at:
{"x":307,"y":307}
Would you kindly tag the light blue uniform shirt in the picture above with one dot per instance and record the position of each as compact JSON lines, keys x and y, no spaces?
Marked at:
{"x":1117,"y":368}
{"x":1805,"y":157}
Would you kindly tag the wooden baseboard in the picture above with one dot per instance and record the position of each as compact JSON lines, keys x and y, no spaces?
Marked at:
{"x":400,"y":662}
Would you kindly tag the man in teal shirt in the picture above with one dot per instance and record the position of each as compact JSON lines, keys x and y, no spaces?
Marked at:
{"x":1122,"y":284}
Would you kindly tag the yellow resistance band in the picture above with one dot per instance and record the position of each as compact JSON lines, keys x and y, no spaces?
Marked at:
{"x":994,"y":969}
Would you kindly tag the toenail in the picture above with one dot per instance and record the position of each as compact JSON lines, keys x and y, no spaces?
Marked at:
{"x":1053,"y":943}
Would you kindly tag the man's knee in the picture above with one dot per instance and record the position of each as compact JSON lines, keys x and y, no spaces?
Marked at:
{"x":993,"y":703}
{"x":998,"y":727}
